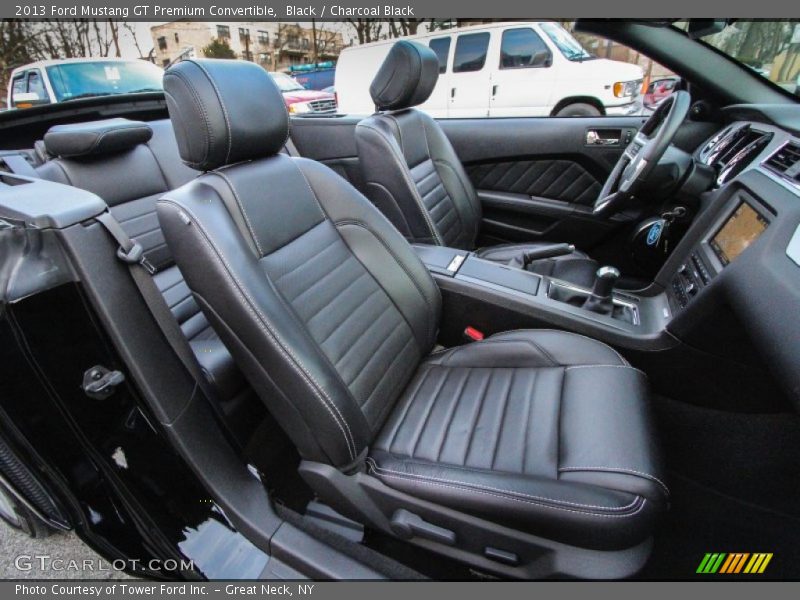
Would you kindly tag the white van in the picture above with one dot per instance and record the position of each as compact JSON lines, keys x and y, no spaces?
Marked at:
{"x":503,"y":70}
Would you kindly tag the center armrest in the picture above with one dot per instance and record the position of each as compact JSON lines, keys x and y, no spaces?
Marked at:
{"x":440,"y":259}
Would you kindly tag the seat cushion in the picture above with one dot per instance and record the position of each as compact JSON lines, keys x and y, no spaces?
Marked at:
{"x":576,"y":267}
{"x":544,"y":431}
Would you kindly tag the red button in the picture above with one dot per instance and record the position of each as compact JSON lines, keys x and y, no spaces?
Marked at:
{"x":473,"y":334}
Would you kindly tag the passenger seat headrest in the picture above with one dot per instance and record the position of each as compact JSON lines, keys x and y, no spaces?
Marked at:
{"x":406,"y":77}
{"x":224,"y":111}
{"x":96,"y":137}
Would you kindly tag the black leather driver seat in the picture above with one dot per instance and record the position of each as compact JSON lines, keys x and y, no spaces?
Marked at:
{"x":332,"y":318}
{"x":415,"y":178}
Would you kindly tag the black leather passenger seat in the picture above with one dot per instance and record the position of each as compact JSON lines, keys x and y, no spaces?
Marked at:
{"x":130,"y":164}
{"x":529,"y":454}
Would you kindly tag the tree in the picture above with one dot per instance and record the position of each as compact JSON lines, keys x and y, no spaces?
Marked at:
{"x":367,"y":30}
{"x":324,"y":41}
{"x":219,"y":49}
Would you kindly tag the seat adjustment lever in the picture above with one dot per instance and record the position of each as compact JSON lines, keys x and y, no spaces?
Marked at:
{"x":407,"y":525}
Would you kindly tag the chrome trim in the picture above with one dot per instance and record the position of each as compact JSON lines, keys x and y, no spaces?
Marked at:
{"x":615,"y":298}
{"x":775,"y":173}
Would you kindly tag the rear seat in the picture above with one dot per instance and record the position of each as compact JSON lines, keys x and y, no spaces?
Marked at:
{"x":130,"y":164}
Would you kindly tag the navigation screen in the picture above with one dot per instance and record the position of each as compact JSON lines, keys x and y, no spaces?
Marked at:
{"x":739,"y":231}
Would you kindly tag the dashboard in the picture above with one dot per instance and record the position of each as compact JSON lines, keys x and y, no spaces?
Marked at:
{"x":743,"y":249}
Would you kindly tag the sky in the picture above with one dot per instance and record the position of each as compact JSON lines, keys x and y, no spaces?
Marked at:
{"x":142,"y":29}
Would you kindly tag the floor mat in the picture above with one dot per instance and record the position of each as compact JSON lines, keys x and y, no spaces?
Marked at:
{"x":735,"y":480}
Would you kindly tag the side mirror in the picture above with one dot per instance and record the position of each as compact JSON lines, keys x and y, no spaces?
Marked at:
{"x":26,"y":99}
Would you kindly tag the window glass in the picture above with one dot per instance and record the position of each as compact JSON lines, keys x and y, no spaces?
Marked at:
{"x":770,"y":49}
{"x":470,"y":52}
{"x":18,"y":87}
{"x":104,"y":78}
{"x":36,"y":85}
{"x":523,"y":48}
{"x":441,"y":46}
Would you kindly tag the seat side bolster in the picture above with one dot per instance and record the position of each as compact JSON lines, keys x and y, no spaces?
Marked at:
{"x":387,"y":172}
{"x":454,"y":177}
{"x":209,"y":248}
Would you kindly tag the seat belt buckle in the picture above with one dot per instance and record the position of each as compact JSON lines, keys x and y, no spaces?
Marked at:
{"x":135,"y":255}
{"x":473,"y":335}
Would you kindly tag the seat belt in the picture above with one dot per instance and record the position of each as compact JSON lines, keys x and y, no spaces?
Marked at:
{"x":142,"y":271}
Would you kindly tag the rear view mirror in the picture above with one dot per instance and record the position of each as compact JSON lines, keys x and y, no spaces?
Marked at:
{"x":699,"y":28}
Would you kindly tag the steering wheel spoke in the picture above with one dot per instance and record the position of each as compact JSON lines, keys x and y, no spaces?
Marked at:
{"x":642,"y":154}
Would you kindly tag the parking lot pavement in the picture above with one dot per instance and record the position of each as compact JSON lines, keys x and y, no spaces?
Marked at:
{"x":18,"y":549}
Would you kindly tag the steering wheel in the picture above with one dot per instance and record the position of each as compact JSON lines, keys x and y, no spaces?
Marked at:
{"x":642,"y":154}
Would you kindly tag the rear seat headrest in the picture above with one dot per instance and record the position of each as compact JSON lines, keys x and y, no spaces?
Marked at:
{"x":406,"y":78}
{"x":96,"y":137}
{"x":224,"y":111}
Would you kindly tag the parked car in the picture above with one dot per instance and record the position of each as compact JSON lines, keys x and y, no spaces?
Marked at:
{"x":301,"y":101}
{"x":658,"y":90}
{"x":63,"y":80}
{"x":503,"y":70}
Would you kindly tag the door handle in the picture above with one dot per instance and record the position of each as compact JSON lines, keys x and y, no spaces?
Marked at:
{"x":494,"y":90}
{"x":452,"y":92}
{"x":603,"y":137}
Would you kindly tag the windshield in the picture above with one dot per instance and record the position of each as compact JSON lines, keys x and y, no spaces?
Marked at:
{"x":103,"y":78}
{"x":568,"y":45}
{"x":286,"y":83}
{"x":769,"y":48}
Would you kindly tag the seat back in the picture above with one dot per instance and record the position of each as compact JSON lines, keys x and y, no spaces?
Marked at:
{"x":129,"y":164}
{"x":412,"y":173}
{"x":324,"y":306}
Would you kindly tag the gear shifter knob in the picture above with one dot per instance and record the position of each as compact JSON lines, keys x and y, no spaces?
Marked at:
{"x":600,"y":300}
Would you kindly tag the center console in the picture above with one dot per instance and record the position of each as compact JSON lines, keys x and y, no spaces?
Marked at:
{"x":493,"y":296}
{"x":742,"y":222}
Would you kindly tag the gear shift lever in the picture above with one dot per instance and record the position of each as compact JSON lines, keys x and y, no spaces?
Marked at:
{"x":600,"y":300}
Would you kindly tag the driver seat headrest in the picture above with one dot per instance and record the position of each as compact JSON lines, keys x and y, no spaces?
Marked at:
{"x":406,"y":77}
{"x":224,"y":112}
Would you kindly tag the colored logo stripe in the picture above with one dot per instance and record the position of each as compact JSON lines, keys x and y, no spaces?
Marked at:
{"x":734,"y":563}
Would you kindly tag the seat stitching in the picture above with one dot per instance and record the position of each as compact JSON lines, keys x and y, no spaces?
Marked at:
{"x":451,"y":413}
{"x":241,"y":209}
{"x":201,"y":106}
{"x":411,"y":398}
{"x":477,"y":417}
{"x":605,"y":367}
{"x":285,"y":351}
{"x":507,"y":494}
{"x":586,"y":337}
{"x":621,"y":470}
{"x":506,"y":402}
{"x":414,"y":280}
{"x":222,"y":105}
{"x":386,"y":372}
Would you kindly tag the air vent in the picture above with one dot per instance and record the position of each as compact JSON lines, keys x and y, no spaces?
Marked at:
{"x":741,"y":154}
{"x":786,"y":162}
{"x":725,"y":145}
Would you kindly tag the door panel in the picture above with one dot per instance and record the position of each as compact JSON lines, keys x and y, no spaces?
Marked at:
{"x":538,"y":178}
